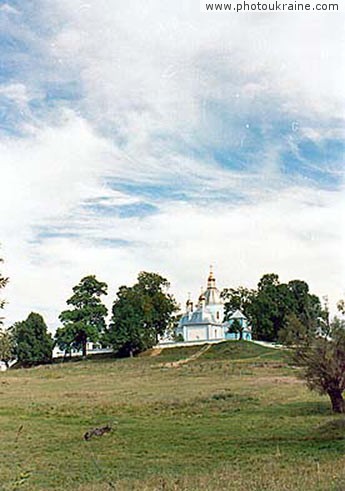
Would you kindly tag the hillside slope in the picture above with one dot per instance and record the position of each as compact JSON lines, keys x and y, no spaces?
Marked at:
{"x":237,"y":414}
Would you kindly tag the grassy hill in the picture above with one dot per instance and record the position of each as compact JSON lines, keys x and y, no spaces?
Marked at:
{"x":236,"y":418}
{"x":227,"y":350}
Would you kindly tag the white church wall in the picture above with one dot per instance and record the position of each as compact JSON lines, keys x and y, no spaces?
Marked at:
{"x":216,"y":332}
{"x":217,"y":312}
{"x":196,"y":333}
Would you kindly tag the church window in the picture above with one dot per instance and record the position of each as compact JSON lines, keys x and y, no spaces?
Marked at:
{"x":217,"y":315}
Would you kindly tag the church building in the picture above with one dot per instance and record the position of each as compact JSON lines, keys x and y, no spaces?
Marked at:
{"x":206,"y":321}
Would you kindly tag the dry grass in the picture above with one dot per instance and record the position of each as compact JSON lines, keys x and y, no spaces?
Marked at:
{"x":272,"y":477}
{"x":215,"y":423}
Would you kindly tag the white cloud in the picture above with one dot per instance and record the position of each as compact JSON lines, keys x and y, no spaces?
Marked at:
{"x":140,"y":56}
{"x":48,"y":173}
{"x":8,"y":9}
{"x":154,"y":77}
{"x":295,"y":233}
{"x":16,"y":92}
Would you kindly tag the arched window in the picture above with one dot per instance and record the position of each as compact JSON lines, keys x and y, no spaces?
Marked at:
{"x":217,"y":315}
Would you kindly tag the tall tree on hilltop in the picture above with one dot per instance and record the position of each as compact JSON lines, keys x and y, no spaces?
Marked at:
{"x":33,"y":343}
{"x":141,"y":314}
{"x":237,"y":328}
{"x":237,"y":299}
{"x":269,"y":307}
{"x":305,"y":306}
{"x":159,"y":305}
{"x":86,"y":320}
{"x":3,"y":283}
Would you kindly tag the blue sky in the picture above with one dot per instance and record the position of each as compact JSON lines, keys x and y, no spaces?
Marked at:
{"x":155,"y":137}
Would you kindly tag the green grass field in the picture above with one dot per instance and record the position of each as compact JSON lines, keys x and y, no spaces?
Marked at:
{"x":236,"y":418}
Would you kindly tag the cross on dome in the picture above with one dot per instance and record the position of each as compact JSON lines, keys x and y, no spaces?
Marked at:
{"x":211,"y":282}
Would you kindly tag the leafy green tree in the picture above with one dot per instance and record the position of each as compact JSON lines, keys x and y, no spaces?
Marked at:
{"x":322,"y":359}
{"x":306,"y":306}
{"x":3,"y":283}
{"x":141,"y":314}
{"x":128,"y":334}
{"x":159,"y":305}
{"x":341,"y":306}
{"x":294,"y":332}
{"x":178,"y":338}
{"x":269,"y":307}
{"x":65,"y":339}
{"x":86,"y":320}
{"x":33,"y":343}
{"x":237,"y":328}
{"x":7,"y":347}
{"x":237,"y":299}
{"x":268,"y":281}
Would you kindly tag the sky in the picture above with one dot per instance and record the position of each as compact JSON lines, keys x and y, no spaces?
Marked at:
{"x":148,"y":136}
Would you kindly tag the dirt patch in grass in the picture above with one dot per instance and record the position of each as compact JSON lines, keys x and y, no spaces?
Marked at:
{"x":183,"y":361}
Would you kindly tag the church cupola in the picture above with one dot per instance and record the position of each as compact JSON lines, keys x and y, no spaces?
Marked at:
{"x":211,"y":281}
{"x":202,"y":298}
{"x":189,"y":304}
{"x":212,"y":294}
{"x":204,"y":321}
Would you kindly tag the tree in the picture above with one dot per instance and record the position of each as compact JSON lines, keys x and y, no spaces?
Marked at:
{"x":341,"y":306}
{"x":306,"y":306}
{"x":33,"y":344}
{"x":294,"y":332}
{"x":127,"y":331}
{"x":237,"y":299}
{"x":65,"y":337}
{"x":322,"y":360}
{"x":6,"y":339}
{"x":3,"y":283}
{"x":7,"y":351}
{"x":86,"y":320}
{"x":141,"y":314}
{"x":237,"y":328}
{"x":268,"y":308}
{"x":159,"y":305}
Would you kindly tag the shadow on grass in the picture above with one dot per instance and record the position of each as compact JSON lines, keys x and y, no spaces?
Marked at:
{"x":95,"y":357}
{"x":310,"y":408}
{"x":332,"y":430}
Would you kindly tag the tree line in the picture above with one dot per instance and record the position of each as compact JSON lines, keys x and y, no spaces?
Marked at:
{"x":145,"y":311}
{"x":271,"y":305}
{"x":285,"y":312}
{"x":140,"y":314}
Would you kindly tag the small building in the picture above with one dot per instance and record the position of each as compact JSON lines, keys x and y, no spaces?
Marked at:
{"x":91,"y":349}
{"x":238,"y":327}
{"x":206,"y":321}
